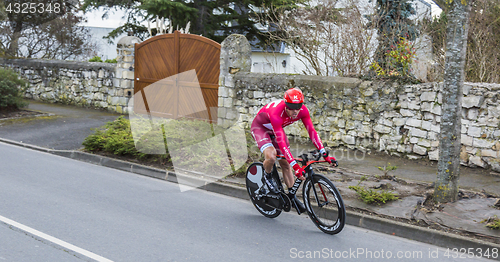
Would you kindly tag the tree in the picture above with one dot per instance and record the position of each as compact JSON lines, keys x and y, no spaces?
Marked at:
{"x":3,"y":12}
{"x":213,"y":19}
{"x":51,"y":35}
{"x":392,"y":19}
{"x":326,"y":38}
{"x":61,"y":38}
{"x":483,"y":41}
{"x":483,"y":48}
{"x":18,"y":21}
{"x":3,"y":17}
{"x":446,"y":186}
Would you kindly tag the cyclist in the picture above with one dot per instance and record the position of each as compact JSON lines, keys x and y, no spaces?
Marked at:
{"x":267,"y":130}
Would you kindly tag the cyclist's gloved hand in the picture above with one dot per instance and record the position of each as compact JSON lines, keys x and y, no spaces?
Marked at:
{"x":330,"y":159}
{"x":299,"y":171}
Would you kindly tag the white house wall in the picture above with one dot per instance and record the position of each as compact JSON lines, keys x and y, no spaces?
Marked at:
{"x":105,"y":50}
{"x":423,"y":44}
{"x":263,"y":62}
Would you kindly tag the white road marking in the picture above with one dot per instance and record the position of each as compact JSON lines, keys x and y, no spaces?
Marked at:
{"x":44,"y":237}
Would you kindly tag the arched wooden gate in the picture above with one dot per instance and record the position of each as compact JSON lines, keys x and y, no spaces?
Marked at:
{"x":166,"y":56}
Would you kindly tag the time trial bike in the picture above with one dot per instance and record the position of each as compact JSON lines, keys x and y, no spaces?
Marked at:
{"x":322,"y":200}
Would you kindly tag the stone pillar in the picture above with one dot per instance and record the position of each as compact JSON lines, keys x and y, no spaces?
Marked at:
{"x":235,"y":57}
{"x":124,"y":77}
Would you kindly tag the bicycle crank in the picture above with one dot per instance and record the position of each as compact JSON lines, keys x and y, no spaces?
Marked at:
{"x":280,"y":201}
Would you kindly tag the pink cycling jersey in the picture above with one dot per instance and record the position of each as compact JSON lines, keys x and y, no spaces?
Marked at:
{"x":273,"y":117}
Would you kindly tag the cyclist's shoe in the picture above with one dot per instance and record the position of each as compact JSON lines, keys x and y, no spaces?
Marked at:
{"x":297,"y":204}
{"x":271,"y":184}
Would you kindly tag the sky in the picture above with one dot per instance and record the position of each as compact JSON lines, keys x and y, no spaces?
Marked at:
{"x":114,"y":20}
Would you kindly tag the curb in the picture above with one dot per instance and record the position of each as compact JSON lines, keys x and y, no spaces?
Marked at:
{"x":97,"y":160}
{"x":382,"y":225}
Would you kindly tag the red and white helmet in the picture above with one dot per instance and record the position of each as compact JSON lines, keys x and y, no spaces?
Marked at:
{"x":294,"y":98}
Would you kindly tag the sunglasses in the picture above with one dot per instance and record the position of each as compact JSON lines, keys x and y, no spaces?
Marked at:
{"x":292,"y":106}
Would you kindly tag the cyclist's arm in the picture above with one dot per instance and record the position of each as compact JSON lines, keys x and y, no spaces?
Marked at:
{"x":316,"y":140}
{"x":280,"y":139}
{"x":313,"y":135}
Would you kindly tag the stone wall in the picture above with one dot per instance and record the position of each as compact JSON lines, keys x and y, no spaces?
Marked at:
{"x":402,"y":120}
{"x":384,"y":116}
{"x":235,"y":57}
{"x":89,"y":84}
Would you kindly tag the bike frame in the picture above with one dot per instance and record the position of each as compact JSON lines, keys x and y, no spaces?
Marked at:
{"x":315,"y":201}
{"x":309,"y":175}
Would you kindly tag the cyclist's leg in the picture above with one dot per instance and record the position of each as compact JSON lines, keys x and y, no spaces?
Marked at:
{"x":262,"y":137}
{"x":285,"y":166}
{"x":269,"y":159}
{"x":289,"y":181}
{"x":287,"y":173}
{"x":266,"y":142}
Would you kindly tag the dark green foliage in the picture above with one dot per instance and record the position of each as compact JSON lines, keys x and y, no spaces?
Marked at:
{"x":392,"y":18}
{"x":11,"y":90}
{"x":115,"y":137}
{"x":213,"y":19}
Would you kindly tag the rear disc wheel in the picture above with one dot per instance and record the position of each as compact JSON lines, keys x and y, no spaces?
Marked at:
{"x":254,"y":181}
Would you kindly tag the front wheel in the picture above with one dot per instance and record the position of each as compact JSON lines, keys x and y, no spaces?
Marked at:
{"x":324,"y":204}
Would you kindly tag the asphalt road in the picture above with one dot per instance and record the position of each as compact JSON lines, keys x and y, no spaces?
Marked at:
{"x":84,"y":212}
{"x":65,"y":128}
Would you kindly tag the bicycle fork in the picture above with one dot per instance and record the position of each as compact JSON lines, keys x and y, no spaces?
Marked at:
{"x":297,"y":184}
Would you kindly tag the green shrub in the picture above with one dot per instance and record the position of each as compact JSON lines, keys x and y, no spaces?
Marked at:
{"x":386,"y":169}
{"x":115,"y":137}
{"x":11,"y":90}
{"x":113,"y":61}
{"x":195,"y":145}
{"x":370,"y":196}
{"x":492,"y":222}
{"x":95,"y":59}
{"x":398,"y":59}
{"x":494,"y":225}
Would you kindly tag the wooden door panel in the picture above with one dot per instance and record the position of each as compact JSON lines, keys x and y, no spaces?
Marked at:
{"x":168,"y":56}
